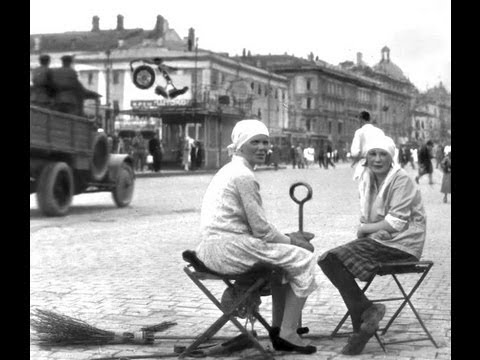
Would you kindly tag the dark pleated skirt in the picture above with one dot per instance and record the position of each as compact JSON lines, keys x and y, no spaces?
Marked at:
{"x":446,"y":184}
{"x":362,"y":256}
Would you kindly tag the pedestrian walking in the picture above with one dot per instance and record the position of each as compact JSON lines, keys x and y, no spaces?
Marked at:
{"x":439,"y":155}
{"x":275,"y":156}
{"x":414,"y":157}
{"x":402,"y":160}
{"x":309,"y":155}
{"x":186,"y":152}
{"x":299,"y":158}
{"x":155,"y":148}
{"x":446,"y":166}
{"x":139,"y":149}
{"x":425,"y":166}
{"x":409,"y":157}
{"x":362,"y":136}
{"x":235,"y":235}
{"x":392,"y":228}
{"x":329,"y":157}
{"x":200,"y":156}
{"x":293,"y":155}
{"x":321,"y":157}
{"x":193,"y":155}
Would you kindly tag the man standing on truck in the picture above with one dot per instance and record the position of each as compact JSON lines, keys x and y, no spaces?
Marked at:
{"x":41,"y":91}
{"x":69,"y":91}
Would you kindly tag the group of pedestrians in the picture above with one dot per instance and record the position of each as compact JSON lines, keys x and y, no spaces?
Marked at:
{"x":235,"y":235}
{"x":193,"y":153}
{"x":304,"y":157}
{"x":59,"y":88}
{"x":423,"y":156}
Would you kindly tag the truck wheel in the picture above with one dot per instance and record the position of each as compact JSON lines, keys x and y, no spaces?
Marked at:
{"x":100,"y":156}
{"x":55,"y":189}
{"x":124,"y":184}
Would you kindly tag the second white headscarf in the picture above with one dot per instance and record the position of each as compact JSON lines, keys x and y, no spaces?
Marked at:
{"x":244,"y":130}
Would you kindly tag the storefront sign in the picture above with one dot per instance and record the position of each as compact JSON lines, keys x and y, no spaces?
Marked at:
{"x":155,"y":104}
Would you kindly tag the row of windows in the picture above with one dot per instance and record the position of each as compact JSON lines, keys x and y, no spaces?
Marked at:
{"x":344,"y":127}
{"x":115,"y":77}
{"x":335,"y":89}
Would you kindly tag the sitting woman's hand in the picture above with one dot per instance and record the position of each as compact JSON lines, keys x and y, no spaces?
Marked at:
{"x":360,"y":232}
{"x":382,"y":235}
{"x":297,"y":239}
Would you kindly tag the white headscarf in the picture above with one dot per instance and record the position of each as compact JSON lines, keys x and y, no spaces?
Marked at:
{"x":385,"y":143}
{"x":244,"y":130}
{"x":382,"y":142}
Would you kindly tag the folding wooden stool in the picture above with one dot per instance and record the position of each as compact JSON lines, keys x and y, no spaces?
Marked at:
{"x":394,"y":269}
{"x":198,"y":272}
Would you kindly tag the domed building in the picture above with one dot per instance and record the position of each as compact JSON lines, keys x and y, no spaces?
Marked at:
{"x":387,"y":67}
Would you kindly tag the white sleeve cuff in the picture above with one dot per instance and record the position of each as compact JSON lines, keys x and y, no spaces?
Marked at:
{"x":396,"y":223}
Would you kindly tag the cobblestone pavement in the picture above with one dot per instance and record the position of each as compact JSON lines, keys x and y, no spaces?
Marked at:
{"x":121,"y":269}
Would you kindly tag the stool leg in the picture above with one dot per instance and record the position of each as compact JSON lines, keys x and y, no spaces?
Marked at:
{"x":220,"y":322}
{"x":406,"y":297}
{"x":339,"y":326}
{"x":407,"y":300}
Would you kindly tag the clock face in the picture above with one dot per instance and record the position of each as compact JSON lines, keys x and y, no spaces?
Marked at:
{"x":143,"y":77}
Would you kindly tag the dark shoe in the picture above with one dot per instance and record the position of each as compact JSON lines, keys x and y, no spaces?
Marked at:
{"x":275,"y":331}
{"x":280,"y":344}
{"x":370,"y":323}
{"x":371,"y":318}
{"x":303,"y":330}
{"x":356,"y":344}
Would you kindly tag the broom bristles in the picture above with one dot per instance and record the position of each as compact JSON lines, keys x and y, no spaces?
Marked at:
{"x":58,"y":329}
{"x":55,"y":328}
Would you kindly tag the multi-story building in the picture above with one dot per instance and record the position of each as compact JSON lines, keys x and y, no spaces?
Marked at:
{"x":325,"y":100}
{"x":431,"y":118}
{"x":221,"y":90}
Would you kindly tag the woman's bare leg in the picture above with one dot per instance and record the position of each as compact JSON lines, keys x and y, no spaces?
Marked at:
{"x":291,"y":316}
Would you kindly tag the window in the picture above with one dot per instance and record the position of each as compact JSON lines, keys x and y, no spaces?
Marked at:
{"x":339,"y":128}
{"x":308,"y":124}
{"x":252,"y":85}
{"x":259,"y":113}
{"x":90,"y":78}
{"x":116,"y":77}
{"x":116,"y":107}
{"x":309,"y":103}
{"x":283,"y":95}
{"x":309,"y":84}
{"x":276,"y":93}
{"x":259,"y":89}
{"x":329,"y":127}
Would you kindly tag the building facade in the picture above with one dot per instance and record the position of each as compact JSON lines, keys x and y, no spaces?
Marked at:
{"x":431,"y":118}
{"x":325,"y":100}
{"x":221,"y":90}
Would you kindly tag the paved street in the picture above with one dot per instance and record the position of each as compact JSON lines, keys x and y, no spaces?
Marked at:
{"x":121,"y":269}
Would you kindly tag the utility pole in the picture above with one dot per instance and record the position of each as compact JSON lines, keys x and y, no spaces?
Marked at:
{"x":195,"y":74}
{"x":108,"y":113}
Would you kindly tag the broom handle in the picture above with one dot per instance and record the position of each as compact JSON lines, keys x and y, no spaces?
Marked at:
{"x":151,"y":356}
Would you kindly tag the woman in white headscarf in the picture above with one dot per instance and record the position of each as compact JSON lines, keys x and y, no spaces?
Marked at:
{"x":392,"y":228}
{"x":235,"y":235}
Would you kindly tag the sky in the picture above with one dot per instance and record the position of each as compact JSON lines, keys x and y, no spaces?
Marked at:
{"x":418,"y":32}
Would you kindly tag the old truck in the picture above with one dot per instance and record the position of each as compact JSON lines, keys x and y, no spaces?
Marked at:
{"x":70,"y":156}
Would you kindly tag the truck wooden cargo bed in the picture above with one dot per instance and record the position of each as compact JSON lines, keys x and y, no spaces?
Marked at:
{"x":53,"y":131}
